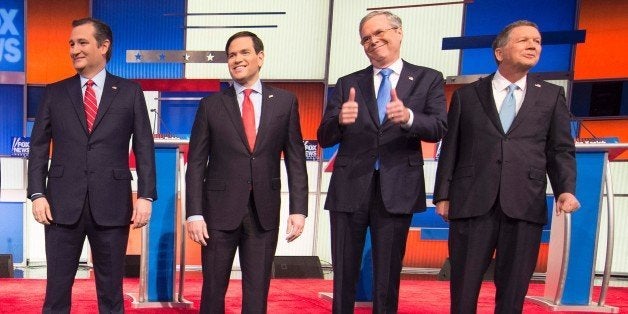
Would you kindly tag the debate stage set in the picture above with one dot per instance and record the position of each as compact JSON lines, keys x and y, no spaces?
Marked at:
{"x":175,"y":50}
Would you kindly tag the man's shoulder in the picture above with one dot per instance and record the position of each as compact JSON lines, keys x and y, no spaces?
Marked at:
{"x":276,"y":91}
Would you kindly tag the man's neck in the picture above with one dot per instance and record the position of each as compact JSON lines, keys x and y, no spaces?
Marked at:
{"x":512,"y":75}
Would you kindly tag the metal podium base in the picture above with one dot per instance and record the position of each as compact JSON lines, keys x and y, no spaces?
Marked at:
{"x":591,"y":308}
{"x":330,"y":297}
{"x":185,"y":304}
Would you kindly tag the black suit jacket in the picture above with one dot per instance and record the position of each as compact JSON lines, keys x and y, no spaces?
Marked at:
{"x":479,"y":162}
{"x":401,"y":159}
{"x":95,"y":164}
{"x":221,"y":169}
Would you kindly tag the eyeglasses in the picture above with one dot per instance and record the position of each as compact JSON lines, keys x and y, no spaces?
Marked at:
{"x":366,"y":40}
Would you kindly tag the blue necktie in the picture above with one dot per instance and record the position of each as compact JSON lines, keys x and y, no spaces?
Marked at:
{"x":383,"y":94}
{"x":508,"y":111}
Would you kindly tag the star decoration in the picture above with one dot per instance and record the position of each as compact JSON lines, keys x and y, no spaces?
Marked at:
{"x":186,"y":57}
{"x":210,"y":57}
{"x":162,"y":56}
{"x":138,"y":56}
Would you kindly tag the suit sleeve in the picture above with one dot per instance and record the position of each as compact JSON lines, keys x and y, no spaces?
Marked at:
{"x":330,"y":131}
{"x":449,"y":152}
{"x":294,"y":158}
{"x":40,"y":148}
{"x":144,"y":148}
{"x":560,"y":149}
{"x":429,"y":124}
{"x":198,"y":155}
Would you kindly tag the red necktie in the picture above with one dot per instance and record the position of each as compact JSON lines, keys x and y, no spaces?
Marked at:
{"x":91,"y":106}
{"x":248,"y":119}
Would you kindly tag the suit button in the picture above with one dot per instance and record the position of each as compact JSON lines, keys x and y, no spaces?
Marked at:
{"x":499,"y":161}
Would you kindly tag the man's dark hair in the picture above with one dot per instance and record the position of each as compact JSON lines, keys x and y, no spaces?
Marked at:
{"x":102,"y":32}
{"x":502,"y":38}
{"x":258,"y":45}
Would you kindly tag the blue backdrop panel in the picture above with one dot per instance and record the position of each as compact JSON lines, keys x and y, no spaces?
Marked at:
{"x":178,"y":115}
{"x":584,"y":225}
{"x":11,"y":233}
{"x":143,"y":25}
{"x":161,"y":232}
{"x":12,"y":35}
{"x":488,"y":17}
{"x":11,"y":115}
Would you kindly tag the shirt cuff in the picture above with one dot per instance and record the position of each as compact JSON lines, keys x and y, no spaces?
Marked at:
{"x":408,"y":124}
{"x":35,"y":196}
{"x":195,"y":218}
{"x":150,"y":199}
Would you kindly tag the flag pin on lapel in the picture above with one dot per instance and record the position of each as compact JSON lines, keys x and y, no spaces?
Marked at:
{"x":114,"y":87}
{"x":537,"y":85}
{"x":411,"y":78}
{"x":271,"y":96}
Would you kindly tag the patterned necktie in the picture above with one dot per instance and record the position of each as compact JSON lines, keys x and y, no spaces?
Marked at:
{"x":248,"y":119}
{"x":508,"y":110}
{"x":383,"y":94}
{"x":91,"y":106}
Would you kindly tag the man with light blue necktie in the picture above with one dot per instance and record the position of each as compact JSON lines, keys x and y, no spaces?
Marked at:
{"x":378,"y":116}
{"x":507,"y":133}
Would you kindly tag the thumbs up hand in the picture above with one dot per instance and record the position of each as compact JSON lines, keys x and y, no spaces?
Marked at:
{"x":395,"y":110}
{"x":349,"y":110}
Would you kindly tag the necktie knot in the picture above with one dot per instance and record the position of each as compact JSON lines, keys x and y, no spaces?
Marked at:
{"x":512,"y":88}
{"x":247,"y":92}
{"x":385,"y":73}
{"x":90,"y":83}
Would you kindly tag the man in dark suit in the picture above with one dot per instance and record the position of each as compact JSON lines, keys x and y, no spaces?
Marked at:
{"x":506,"y":133}
{"x":90,"y":118}
{"x":379,"y":116}
{"x":233,"y":177}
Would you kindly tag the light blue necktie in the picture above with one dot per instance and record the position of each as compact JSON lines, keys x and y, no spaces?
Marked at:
{"x":508,"y":111}
{"x":383,"y":94}
{"x":383,"y":98}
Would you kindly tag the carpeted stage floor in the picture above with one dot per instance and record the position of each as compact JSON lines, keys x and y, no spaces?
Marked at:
{"x":286,"y":296}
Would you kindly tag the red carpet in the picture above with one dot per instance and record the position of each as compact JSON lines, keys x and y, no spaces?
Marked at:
{"x":286,"y":296}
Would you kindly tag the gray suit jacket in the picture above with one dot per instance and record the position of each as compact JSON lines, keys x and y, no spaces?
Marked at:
{"x":401,"y":159}
{"x":221,"y":170}
{"x":479,"y":162}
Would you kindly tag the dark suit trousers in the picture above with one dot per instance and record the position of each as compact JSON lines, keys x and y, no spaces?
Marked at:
{"x":388,"y":237}
{"x":64,"y":244}
{"x":472,"y":242}
{"x":257,"y":250}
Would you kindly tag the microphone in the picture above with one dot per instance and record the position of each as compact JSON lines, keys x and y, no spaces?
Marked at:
{"x":161,"y":122}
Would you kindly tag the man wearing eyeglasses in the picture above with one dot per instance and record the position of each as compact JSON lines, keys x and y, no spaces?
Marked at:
{"x":378,"y":116}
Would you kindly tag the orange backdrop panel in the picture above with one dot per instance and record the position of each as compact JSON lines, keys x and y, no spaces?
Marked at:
{"x":310,"y":96}
{"x":603,"y":54}
{"x":48,"y":26}
{"x":607,"y":128}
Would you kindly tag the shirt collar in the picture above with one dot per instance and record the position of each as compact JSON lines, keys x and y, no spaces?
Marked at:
{"x":99,"y":79}
{"x":395,"y":67}
{"x":257,"y":87}
{"x":500,"y":82}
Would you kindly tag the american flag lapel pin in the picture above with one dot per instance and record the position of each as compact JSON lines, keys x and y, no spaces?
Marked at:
{"x":537,"y":85}
{"x":411,"y":78}
{"x":271,"y":96}
{"x":114,"y":87}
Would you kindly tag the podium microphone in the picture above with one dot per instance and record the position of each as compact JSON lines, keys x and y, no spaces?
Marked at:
{"x":161,"y":122}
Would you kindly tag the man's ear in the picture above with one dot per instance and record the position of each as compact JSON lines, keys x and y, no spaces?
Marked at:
{"x":104,"y":46}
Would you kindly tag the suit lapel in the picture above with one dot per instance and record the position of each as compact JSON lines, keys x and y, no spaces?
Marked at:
{"x":76,"y":96}
{"x":230,"y":101}
{"x":365,"y":83}
{"x":268,"y":108}
{"x":532,"y":92}
{"x":109,"y":92}
{"x":484,"y":90}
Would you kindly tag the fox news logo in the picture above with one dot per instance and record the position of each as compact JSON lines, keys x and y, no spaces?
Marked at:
{"x":311,"y":150}
{"x":11,"y":36}
{"x":20,"y":146}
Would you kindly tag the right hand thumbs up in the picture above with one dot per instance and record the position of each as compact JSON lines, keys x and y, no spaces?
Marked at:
{"x":349,"y":110}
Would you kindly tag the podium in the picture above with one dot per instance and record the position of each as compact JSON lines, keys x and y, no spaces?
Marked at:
{"x":573,"y":239}
{"x":157,"y":287}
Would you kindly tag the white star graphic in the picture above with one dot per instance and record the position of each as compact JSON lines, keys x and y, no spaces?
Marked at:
{"x":186,"y":57}
{"x":210,"y":57}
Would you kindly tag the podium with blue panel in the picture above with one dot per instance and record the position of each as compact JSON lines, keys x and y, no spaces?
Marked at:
{"x":158,"y":286}
{"x":573,"y":240}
